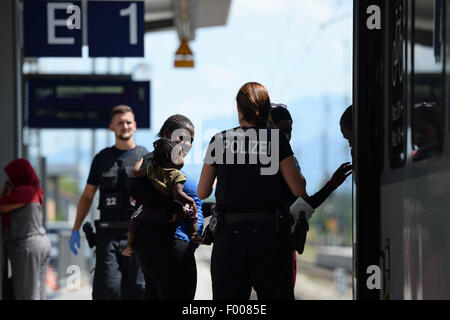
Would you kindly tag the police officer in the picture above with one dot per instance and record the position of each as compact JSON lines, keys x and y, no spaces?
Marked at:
{"x":255,"y":168}
{"x":116,"y":276}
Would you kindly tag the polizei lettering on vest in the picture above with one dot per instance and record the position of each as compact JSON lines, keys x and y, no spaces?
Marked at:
{"x":246,"y":147}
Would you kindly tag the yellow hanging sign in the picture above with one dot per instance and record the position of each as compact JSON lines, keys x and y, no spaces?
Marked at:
{"x":184,"y":57}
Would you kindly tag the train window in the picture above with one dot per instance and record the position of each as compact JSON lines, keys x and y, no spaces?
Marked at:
{"x":428,"y":78}
{"x":447,"y":60}
{"x":397,"y":101}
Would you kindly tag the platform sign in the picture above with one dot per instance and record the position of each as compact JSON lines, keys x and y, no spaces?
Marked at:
{"x":52,"y":29}
{"x":116,"y":28}
{"x":184,"y":58}
{"x":83,"y":101}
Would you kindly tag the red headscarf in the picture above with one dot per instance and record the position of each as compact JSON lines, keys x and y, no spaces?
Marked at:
{"x":25,"y":182}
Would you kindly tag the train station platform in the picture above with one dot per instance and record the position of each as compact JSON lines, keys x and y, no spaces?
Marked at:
{"x":313,"y":283}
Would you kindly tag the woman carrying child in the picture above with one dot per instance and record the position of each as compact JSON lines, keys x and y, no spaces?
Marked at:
{"x":164,"y":227}
{"x":165,"y":175}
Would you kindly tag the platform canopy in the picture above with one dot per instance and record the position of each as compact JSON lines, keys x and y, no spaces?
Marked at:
{"x":162,"y":14}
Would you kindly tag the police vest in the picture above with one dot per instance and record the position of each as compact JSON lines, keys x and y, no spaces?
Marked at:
{"x":115,"y":201}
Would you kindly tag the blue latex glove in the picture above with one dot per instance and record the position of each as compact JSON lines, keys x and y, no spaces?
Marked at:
{"x":74,"y":239}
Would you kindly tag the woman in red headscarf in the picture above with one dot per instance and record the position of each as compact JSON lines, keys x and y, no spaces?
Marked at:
{"x":27,"y":245}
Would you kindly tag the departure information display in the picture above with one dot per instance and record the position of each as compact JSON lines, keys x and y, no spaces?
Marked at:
{"x":83,"y":101}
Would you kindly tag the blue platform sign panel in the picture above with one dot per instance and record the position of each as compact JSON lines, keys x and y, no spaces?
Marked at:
{"x":116,"y":28}
{"x":83,"y":102}
{"x":52,"y":29}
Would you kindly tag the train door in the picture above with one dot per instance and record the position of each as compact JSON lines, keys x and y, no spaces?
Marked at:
{"x":368,"y":62}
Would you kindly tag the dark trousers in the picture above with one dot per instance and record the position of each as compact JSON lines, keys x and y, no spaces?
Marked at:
{"x":168,"y":264}
{"x":116,"y":276}
{"x":250,"y":255}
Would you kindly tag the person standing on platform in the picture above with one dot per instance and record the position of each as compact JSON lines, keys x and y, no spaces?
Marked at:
{"x":115,"y":276}
{"x":282,"y":120}
{"x":165,"y":249}
{"x":27,"y":244}
{"x":255,"y":168}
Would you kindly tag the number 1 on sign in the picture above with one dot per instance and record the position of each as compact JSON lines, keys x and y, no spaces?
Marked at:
{"x":132,"y":12}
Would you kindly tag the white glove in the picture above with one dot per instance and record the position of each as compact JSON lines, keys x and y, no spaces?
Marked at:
{"x":298,"y":206}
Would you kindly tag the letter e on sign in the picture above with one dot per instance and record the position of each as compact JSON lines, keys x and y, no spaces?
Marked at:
{"x":52,"y":28}
{"x":52,"y":23}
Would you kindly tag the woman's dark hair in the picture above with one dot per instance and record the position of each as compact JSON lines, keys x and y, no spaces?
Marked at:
{"x":174,"y":122}
{"x":163,"y":151}
{"x":279,"y":112}
{"x":254,"y":103}
{"x":347,"y":118}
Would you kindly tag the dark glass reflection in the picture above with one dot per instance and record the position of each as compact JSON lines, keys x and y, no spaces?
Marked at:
{"x":427,"y":130}
{"x":427,"y":120}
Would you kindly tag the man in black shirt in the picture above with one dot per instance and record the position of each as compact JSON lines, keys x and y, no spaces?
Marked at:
{"x":282,"y":120}
{"x":116,"y":276}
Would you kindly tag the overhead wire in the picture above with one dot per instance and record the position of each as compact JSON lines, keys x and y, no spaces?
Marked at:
{"x":282,"y":47}
{"x":305,"y":53}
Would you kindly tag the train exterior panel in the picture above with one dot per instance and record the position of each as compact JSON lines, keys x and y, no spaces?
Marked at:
{"x":416,"y":237}
{"x":402,"y":194}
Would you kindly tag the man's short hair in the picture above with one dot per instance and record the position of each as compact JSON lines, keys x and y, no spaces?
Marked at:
{"x":120,"y":109}
{"x":347,"y":118}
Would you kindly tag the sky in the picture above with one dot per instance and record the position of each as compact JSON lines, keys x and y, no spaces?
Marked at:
{"x":300,"y":50}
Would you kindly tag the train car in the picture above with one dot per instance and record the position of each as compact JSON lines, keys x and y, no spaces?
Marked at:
{"x":402,"y":149}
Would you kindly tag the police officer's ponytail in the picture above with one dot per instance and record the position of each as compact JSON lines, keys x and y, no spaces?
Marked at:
{"x":254,"y":103}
